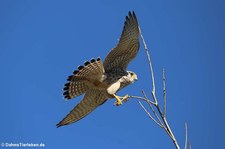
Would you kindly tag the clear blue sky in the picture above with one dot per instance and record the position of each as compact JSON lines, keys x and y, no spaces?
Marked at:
{"x":42,"y":42}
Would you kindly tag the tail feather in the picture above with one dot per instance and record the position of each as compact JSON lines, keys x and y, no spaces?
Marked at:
{"x":79,"y":82}
{"x":91,"y":69}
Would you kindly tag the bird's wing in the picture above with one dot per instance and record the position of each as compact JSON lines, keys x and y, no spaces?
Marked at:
{"x":127,"y":48}
{"x":81,"y":78}
{"x":91,"y":100}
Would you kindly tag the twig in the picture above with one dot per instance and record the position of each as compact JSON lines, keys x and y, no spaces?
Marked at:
{"x":169,"y":131}
{"x":164,"y":93}
{"x":164,"y":122}
{"x":149,"y":60}
{"x":142,"y":98}
{"x":187,"y":143}
{"x":150,"y":116}
{"x":156,"y":115}
{"x":186,"y":136}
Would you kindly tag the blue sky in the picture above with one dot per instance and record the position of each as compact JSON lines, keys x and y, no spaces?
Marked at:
{"x":43,"y":42}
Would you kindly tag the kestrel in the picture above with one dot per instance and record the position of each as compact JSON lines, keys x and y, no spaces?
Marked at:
{"x":98,"y":80}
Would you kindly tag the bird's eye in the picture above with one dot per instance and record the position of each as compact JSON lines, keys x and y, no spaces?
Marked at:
{"x":131,"y":73}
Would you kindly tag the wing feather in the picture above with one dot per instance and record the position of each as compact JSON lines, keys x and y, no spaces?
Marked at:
{"x":91,"y":100}
{"x":127,"y":48}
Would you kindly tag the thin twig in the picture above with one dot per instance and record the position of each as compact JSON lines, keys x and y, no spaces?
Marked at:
{"x":142,"y":98}
{"x":150,"y":116}
{"x":153,"y":110}
{"x":150,"y":103}
{"x":149,"y":60}
{"x":166,"y":125}
{"x":186,"y":136}
{"x":164,"y":93}
{"x":189,"y":144}
{"x":170,"y":132}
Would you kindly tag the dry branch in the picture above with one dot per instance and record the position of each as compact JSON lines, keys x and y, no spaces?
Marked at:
{"x":159,"y":116}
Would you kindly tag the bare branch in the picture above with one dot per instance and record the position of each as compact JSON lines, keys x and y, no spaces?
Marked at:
{"x":150,"y":116}
{"x":186,"y":136}
{"x":189,"y":144}
{"x":169,"y":131}
{"x":149,"y":60}
{"x":142,"y":98}
{"x":164,"y":122}
{"x":164,"y":93}
{"x":156,"y":115}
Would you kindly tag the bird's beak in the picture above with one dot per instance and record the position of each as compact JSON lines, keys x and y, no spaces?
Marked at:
{"x":135,"y":77}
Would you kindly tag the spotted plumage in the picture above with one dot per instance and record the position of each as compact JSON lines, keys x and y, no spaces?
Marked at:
{"x":98,"y":80}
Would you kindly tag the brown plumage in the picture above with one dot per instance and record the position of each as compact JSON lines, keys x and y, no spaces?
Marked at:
{"x":100,"y":81}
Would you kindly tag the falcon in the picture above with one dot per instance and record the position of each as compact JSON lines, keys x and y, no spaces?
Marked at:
{"x":100,"y":81}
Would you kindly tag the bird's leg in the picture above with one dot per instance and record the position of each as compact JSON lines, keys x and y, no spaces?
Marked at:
{"x":125,"y":98}
{"x":118,"y":100}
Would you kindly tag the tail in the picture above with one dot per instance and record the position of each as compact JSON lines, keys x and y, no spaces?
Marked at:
{"x":78,"y":82}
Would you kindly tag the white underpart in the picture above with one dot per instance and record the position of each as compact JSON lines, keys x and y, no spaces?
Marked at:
{"x":112,"y":89}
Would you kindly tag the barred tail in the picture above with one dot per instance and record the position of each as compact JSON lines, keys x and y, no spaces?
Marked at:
{"x":78,"y":82}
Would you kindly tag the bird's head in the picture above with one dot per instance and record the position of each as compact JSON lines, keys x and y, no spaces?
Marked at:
{"x":132,"y":76}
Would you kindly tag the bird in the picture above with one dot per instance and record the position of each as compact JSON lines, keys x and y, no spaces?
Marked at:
{"x":100,"y":80}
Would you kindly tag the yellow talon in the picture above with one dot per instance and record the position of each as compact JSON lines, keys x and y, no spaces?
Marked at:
{"x":118,"y":100}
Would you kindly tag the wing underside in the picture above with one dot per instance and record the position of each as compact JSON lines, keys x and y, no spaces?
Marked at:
{"x":92,"y":99}
{"x":127,"y":48}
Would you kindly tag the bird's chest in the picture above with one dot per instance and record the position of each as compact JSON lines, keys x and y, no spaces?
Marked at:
{"x":117,"y":85}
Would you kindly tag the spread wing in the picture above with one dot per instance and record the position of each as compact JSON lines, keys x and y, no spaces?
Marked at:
{"x":91,"y":100}
{"x":127,"y":48}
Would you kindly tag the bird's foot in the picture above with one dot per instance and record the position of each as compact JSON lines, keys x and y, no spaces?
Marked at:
{"x":125,"y":98}
{"x":118,"y":101}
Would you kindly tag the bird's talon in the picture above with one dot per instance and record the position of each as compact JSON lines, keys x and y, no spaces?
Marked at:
{"x":118,"y":100}
{"x":118,"y":103}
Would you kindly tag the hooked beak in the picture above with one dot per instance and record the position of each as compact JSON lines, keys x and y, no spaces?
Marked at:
{"x":135,"y":77}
